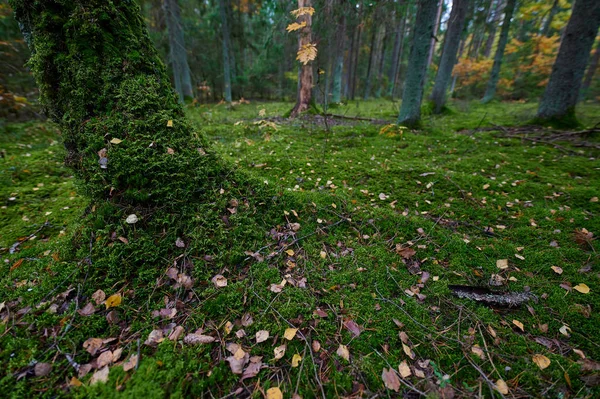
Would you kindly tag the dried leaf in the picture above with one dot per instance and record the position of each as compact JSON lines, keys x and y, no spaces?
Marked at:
{"x":502,"y":264}
{"x":296,"y":360}
{"x":404,"y":369}
{"x":116,"y":141}
{"x":279,"y":351}
{"x":87,"y":310}
{"x":343,"y":352}
{"x":100,"y":376}
{"x":541,"y":360}
{"x":501,"y":387}
{"x":390,"y":379}
{"x":131,"y":363}
{"x":302,"y":11}
{"x":247,"y":320}
{"x":290,"y":333}
{"x":316,"y":346}
{"x":274,"y":393}
{"x":113,"y":301}
{"x":104,"y":359}
{"x":99,"y":297}
{"x":154,"y":338}
{"x":584,"y":289}
{"x":409,"y":352}
{"x":176,"y":333}
{"x":262,"y":336}
{"x":557,"y":269}
{"x":306,"y":53}
{"x":519,"y":324}
{"x":132,"y":219}
{"x":252,"y":370}
{"x":219,"y":281}
{"x":352,"y":327}
{"x":42,"y":369}
{"x":170,"y":123}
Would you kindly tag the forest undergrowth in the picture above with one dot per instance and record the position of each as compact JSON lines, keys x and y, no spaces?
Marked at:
{"x":343,"y":288}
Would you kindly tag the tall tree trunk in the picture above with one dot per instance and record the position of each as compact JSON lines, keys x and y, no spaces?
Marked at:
{"x":410,"y":111}
{"x":547,"y":29}
{"x":493,"y":27}
{"x":434,"y":33}
{"x":451,"y":43}
{"x":376,"y":45}
{"x":381,"y":65}
{"x":490,"y":91}
{"x":355,"y":61}
{"x":305,"y":74}
{"x":591,"y":70}
{"x":177,"y":51}
{"x":226,"y":52}
{"x":338,"y":64}
{"x":396,"y":55}
{"x":372,"y":53}
{"x":560,"y":97}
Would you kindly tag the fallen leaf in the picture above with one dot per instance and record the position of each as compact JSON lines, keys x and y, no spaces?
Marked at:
{"x":42,"y":369}
{"x":541,"y":360}
{"x":316,"y":346}
{"x":564,"y":330}
{"x":404,"y":369}
{"x":262,"y":336}
{"x":99,"y":297}
{"x":131,"y":363}
{"x":501,"y":387}
{"x":390,"y":379}
{"x":170,"y":123}
{"x":247,"y":320}
{"x":519,"y":324}
{"x":252,"y":370}
{"x":274,"y":393}
{"x":476,"y":349}
{"x":279,"y":351}
{"x":502,"y":263}
{"x":87,"y":310}
{"x":113,"y":301}
{"x":100,"y":376}
{"x":116,"y":141}
{"x":74,"y":382}
{"x":154,"y":338}
{"x":557,"y":269}
{"x":584,"y":289}
{"x":343,"y":352}
{"x":132,"y":219}
{"x":296,"y":360}
{"x":409,"y":352}
{"x":104,"y":359}
{"x":176,"y":333}
{"x":290,"y":333}
{"x":352,"y":327}
{"x":219,"y":281}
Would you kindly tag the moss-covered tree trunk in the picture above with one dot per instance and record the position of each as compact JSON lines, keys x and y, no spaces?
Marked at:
{"x":410,"y":111}
{"x":490,"y":91}
{"x":561,"y":94}
{"x":226,"y":52}
{"x":177,"y":51}
{"x":127,"y":138}
{"x":451,"y":43}
{"x":305,"y":73}
{"x":338,"y":62}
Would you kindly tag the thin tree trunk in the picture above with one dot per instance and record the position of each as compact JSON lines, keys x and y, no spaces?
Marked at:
{"x":493,"y":27}
{"x":305,"y":73}
{"x":490,"y":91}
{"x":547,"y":29}
{"x":376,"y":44}
{"x":381,"y":64}
{"x":434,"y":33}
{"x":355,"y":63}
{"x":226,"y":52}
{"x":591,"y":70}
{"x":396,"y":54}
{"x":451,"y":43}
{"x":561,"y":94}
{"x":372,"y":52}
{"x":410,"y":110}
{"x":350,"y":66}
{"x":338,"y":64}
{"x":177,"y":51}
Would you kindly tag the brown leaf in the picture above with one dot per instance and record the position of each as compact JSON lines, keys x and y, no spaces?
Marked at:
{"x":131,"y":363}
{"x":541,"y":360}
{"x":219,"y":281}
{"x":247,"y":320}
{"x":100,"y":376}
{"x":352,"y":327}
{"x":404,"y":369}
{"x":42,"y":369}
{"x":343,"y":352}
{"x":87,"y":310}
{"x":104,"y":359}
{"x":390,"y":379}
{"x":154,"y":338}
{"x":251,"y":371}
{"x":99,"y":297}
{"x":176,"y":333}
{"x":262,"y":336}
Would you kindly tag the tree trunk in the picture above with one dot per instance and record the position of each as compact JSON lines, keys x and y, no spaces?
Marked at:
{"x":355,"y":61}
{"x":305,"y":74}
{"x":410,"y":111}
{"x":177,"y":51}
{"x":490,"y":91}
{"x":547,"y":29}
{"x":381,"y":64}
{"x":591,"y":70}
{"x":396,"y":55}
{"x":493,"y":27}
{"x":338,"y":64}
{"x":372,"y":53}
{"x":226,"y":52}
{"x":451,"y":43}
{"x":434,"y":33}
{"x":376,"y":45}
{"x":561,"y":94}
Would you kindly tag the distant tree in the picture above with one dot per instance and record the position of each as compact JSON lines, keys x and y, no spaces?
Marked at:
{"x":410,"y":110}
{"x":378,"y":33}
{"x":448,"y":59}
{"x":226,"y":51}
{"x":561,"y":94}
{"x":397,"y":50}
{"x":177,"y":51}
{"x":490,"y":91}
{"x":435,"y":30}
{"x":591,"y":70}
{"x":305,"y":46}
{"x":338,"y":61}
{"x":493,"y":23}
{"x":547,"y":29}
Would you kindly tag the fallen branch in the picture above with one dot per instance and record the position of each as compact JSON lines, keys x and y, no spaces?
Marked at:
{"x":487,"y":297}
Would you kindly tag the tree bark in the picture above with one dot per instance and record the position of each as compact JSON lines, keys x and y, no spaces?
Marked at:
{"x":493,"y":27}
{"x":396,"y":55}
{"x":561,"y":94}
{"x":591,"y":70}
{"x":410,"y":110}
{"x":451,"y":43}
{"x":177,"y":51}
{"x":226,"y":52}
{"x":490,"y":91}
{"x":376,"y":46}
{"x":338,"y":64}
{"x":305,"y":73}
{"x":434,"y":33}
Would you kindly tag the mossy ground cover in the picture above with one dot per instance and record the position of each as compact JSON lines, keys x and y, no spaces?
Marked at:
{"x":347,"y":203}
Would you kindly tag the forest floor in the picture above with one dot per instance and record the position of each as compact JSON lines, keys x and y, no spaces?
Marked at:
{"x":355,"y":295}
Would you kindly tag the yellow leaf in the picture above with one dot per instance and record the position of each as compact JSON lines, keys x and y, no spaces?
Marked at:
{"x":274,"y":393}
{"x":584,"y":289}
{"x":290,"y":333}
{"x":404,"y":369}
{"x":170,"y":123}
{"x":296,"y":360}
{"x":541,"y":360}
{"x":502,"y":263}
{"x":290,"y":252}
{"x":323,"y":254}
{"x":113,"y":301}
{"x":519,"y":324}
{"x":408,"y":351}
{"x":295,"y":26}
{"x":302,"y":11}
{"x":116,"y":141}
{"x":501,"y":387}
{"x":557,"y":269}
{"x":228,"y":327}
{"x":75,"y":382}
{"x":306,"y":53}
